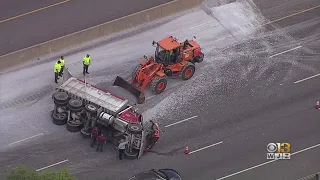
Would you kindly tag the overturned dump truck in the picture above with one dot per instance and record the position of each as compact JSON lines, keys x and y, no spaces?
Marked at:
{"x":82,"y":106}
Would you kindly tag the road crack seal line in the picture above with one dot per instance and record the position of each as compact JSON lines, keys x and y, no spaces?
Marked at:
{"x":34,"y":97}
{"x":170,"y":153}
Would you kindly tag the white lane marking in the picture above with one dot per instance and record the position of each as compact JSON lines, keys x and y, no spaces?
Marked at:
{"x":268,"y":162}
{"x":205,"y":147}
{"x":52,"y":165}
{"x":198,"y":25}
{"x":26,"y":139}
{"x":307,"y":78}
{"x":181,"y":121}
{"x":285,"y":51}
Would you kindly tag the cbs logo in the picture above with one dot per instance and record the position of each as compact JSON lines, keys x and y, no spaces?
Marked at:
{"x":279,"y":148}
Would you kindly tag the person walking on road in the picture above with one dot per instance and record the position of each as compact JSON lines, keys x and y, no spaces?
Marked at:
{"x":62,"y":66}
{"x":121,"y":148}
{"x":86,"y":63}
{"x":94,"y":135}
{"x":101,"y":140}
{"x":57,"y":70}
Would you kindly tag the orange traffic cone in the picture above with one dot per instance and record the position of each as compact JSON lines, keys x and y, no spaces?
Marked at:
{"x":186,"y":151}
{"x":317,"y":106}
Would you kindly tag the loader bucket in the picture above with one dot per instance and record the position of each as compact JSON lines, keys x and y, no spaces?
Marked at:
{"x":125,"y":85}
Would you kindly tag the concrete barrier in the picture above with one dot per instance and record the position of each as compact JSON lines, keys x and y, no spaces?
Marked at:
{"x":33,"y":53}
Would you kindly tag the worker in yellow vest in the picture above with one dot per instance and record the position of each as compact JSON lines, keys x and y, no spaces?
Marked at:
{"x":86,"y":63}
{"x":57,"y":70}
{"x":62,"y":65}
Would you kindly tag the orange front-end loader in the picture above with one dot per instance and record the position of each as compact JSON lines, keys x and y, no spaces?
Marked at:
{"x":148,"y":72}
{"x":171,"y":59}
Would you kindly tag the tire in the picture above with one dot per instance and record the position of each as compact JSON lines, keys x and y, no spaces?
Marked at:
{"x":86,"y":134}
{"x":158,"y":84}
{"x":134,"y":128}
{"x":60,"y":98}
{"x":132,"y":155}
{"x":73,"y":127}
{"x":60,"y":104}
{"x":188,"y":71}
{"x":92,"y":109}
{"x":74,"y":110}
{"x":60,"y":118}
{"x":75,"y":105}
{"x":135,"y":71}
{"x":199,"y":58}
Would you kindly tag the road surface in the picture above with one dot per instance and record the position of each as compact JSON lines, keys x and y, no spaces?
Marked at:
{"x":258,"y":88}
{"x":24,"y":24}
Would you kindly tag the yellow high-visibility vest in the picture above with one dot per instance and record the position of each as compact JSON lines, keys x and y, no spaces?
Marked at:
{"x":86,"y":60}
{"x":62,"y":62}
{"x":57,"y":68}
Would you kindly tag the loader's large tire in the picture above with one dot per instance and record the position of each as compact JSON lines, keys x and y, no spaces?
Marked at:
{"x":135,"y":71}
{"x":73,"y":127}
{"x":158,"y":84}
{"x":60,"y":98}
{"x":134,"y":128}
{"x":199,"y":58}
{"x":75,"y":105}
{"x":59,"y":118}
{"x":188,"y":71}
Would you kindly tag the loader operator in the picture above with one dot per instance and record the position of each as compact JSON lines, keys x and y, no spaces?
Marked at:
{"x":57,"y":70}
{"x":62,"y":66}
{"x":86,"y":63}
{"x":173,"y":54}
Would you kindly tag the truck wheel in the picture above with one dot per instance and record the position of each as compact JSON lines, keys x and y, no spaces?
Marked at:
{"x":188,"y":71}
{"x":86,"y":133}
{"x":158,"y":84}
{"x":92,"y":109}
{"x":75,"y":105}
{"x":74,"y":110}
{"x":74,"y":126}
{"x":60,"y":98}
{"x":131,"y":155}
{"x":134,"y":128}
{"x":135,"y":71}
{"x":59,"y":118}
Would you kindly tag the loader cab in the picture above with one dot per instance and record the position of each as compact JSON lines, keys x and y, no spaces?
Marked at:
{"x":167,"y":57}
{"x":167,"y":51}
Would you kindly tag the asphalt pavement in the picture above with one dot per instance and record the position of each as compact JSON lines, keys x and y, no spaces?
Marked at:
{"x":234,"y":118}
{"x":23,"y":24}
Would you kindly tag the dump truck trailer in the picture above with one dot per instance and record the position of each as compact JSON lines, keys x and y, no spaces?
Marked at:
{"x":82,"y":106}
